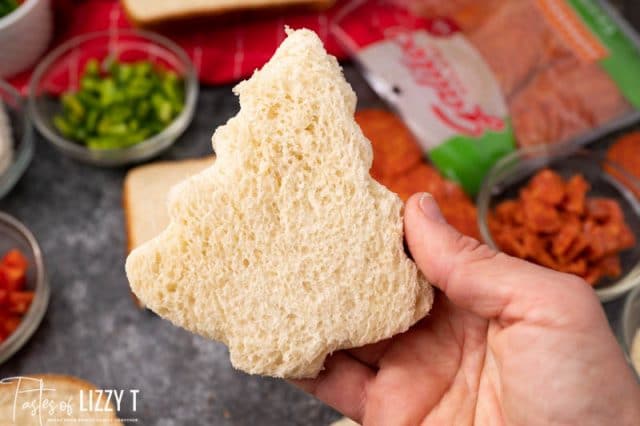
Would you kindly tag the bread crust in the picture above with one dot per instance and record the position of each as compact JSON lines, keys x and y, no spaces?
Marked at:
{"x":212,"y":12}
{"x":128,"y":228}
{"x":126,"y":209}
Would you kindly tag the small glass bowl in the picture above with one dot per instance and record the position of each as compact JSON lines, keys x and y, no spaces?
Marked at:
{"x":21,"y":135}
{"x":14,"y":235}
{"x":630,"y":323}
{"x":513,"y":171}
{"x":61,"y":69}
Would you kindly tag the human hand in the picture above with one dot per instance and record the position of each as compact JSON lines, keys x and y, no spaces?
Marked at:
{"x":507,"y":342}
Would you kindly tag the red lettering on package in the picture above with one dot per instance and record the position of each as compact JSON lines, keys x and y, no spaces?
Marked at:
{"x":429,"y":68}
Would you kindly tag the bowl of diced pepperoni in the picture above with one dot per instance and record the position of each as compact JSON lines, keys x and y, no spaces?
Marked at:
{"x":24,"y":289}
{"x":566,"y":210}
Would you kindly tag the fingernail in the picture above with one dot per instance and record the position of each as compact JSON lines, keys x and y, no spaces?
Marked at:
{"x":430,"y":208}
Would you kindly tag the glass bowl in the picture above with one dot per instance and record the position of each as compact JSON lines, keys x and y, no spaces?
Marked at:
{"x":21,"y":136}
{"x":60,"y":71}
{"x":630,"y":323}
{"x":513,"y":171}
{"x":14,"y":234}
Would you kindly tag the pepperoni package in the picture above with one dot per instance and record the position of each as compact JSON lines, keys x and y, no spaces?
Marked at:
{"x":476,"y":79}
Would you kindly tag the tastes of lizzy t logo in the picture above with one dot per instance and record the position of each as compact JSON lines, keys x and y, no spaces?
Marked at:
{"x":41,"y":400}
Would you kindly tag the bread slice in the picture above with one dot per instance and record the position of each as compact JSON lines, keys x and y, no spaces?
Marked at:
{"x":285,"y":249}
{"x":64,"y":391}
{"x":144,"y":196}
{"x":152,"y":12}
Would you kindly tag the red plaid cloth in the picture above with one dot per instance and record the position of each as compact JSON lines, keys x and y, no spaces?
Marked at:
{"x":222,"y":53}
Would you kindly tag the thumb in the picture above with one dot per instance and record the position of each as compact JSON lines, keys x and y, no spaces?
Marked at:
{"x":479,"y":279}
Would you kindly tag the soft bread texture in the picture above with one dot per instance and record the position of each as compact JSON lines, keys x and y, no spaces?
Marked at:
{"x":67,"y":391}
{"x":145,"y":193}
{"x":144,"y":197}
{"x":151,"y":12}
{"x":285,"y":249}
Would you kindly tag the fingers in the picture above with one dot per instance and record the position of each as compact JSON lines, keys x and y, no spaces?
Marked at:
{"x":342,"y":385}
{"x":371,"y":354}
{"x":472,"y":275}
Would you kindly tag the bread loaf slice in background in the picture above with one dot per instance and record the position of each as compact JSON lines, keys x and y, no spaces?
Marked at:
{"x":285,"y":249}
{"x":144,"y":196}
{"x":153,"y":12}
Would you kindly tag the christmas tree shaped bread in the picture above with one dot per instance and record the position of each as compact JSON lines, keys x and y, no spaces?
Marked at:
{"x":285,"y":249}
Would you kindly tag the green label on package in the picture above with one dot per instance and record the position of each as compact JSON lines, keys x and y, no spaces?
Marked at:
{"x":620,"y":56}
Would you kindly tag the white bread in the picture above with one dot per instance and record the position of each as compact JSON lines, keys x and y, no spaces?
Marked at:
{"x":67,"y":391}
{"x":151,"y":12}
{"x":144,"y":196}
{"x":285,"y":249}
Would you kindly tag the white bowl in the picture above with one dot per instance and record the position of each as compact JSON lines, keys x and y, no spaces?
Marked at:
{"x":25,"y":34}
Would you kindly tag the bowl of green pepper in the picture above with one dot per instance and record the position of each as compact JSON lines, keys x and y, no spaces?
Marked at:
{"x":115,"y":97}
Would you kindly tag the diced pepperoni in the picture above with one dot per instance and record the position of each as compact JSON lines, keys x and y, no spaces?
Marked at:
{"x":547,"y":186}
{"x":576,"y":188}
{"x":562,"y":228}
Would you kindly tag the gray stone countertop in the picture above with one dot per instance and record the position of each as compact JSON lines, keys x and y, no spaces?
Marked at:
{"x":92,"y":328}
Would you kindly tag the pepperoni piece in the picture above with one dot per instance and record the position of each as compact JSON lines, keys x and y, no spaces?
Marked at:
{"x":395,"y":150}
{"x":547,"y":186}
{"x":420,"y":178}
{"x":610,"y":266}
{"x":577,"y":248}
{"x":625,"y":152}
{"x":506,"y":212}
{"x":562,"y":241}
{"x":576,"y":189}
{"x":540,"y":217}
{"x":592,"y":275}
{"x":455,"y":205}
{"x":508,"y":240}
{"x":577,"y":267}
{"x":604,"y":210}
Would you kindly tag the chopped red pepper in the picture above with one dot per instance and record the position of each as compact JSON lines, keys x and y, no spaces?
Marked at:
{"x":14,"y":299}
{"x":16,"y":259}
